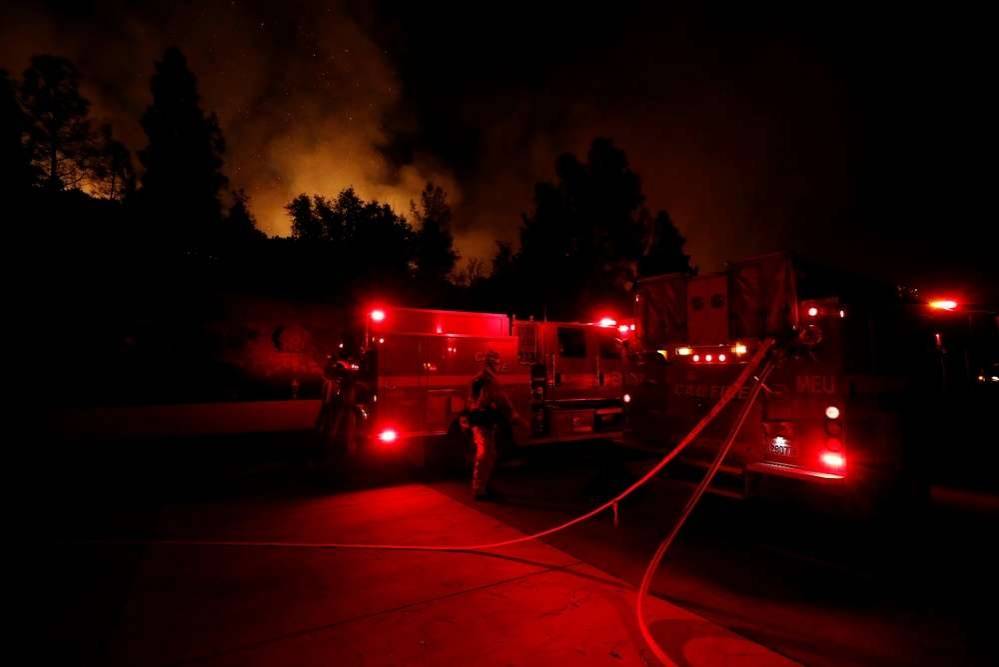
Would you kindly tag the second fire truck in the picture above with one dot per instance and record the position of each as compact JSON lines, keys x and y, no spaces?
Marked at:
{"x":867,"y":384}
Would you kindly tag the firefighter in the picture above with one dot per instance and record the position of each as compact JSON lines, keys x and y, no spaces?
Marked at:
{"x":490,"y":413}
{"x":337,"y":419}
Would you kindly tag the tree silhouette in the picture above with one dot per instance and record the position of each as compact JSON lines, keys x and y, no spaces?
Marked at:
{"x":434,"y":244}
{"x":183,"y":177}
{"x":664,"y":249}
{"x":472,"y":274}
{"x":329,"y":219}
{"x":239,"y":225}
{"x":16,"y":171}
{"x":364,"y":245}
{"x":349,"y":211}
{"x":382,"y":246}
{"x":113,"y":174}
{"x":60,"y":139}
{"x":304,"y":223}
{"x":582,"y":246}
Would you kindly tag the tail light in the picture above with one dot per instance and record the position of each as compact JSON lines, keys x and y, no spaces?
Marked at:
{"x":834,"y":460}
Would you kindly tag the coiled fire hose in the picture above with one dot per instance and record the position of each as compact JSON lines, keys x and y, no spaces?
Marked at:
{"x":691,"y":436}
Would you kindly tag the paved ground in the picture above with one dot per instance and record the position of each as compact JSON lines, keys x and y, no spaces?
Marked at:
{"x":817,"y":588}
{"x":531,"y":604}
{"x":809,"y":588}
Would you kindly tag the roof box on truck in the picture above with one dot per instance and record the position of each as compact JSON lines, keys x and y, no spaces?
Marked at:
{"x":764,"y":298}
{"x":754,"y":298}
{"x":661,"y":305}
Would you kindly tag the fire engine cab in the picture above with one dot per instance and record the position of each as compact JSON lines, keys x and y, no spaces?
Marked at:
{"x":860,"y":388}
{"x":564,"y":379}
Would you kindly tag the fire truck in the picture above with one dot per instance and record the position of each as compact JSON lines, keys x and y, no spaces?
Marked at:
{"x":564,"y":379}
{"x":864,"y":383}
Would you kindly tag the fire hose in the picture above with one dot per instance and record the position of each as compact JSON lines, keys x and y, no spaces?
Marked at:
{"x":657,"y":558}
{"x":690,"y":437}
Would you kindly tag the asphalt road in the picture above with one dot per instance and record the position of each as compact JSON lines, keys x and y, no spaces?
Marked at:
{"x":814,"y":588}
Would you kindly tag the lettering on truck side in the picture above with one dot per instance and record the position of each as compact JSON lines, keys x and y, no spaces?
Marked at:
{"x":815,"y":384}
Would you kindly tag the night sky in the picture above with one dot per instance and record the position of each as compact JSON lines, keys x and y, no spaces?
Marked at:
{"x":856,"y":136}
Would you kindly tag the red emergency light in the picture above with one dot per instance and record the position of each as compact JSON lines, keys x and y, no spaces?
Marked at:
{"x":623,"y":329}
{"x":607,"y":322}
{"x":943,"y":304}
{"x":377,"y":315}
{"x":833,"y":460}
{"x":388,"y":435}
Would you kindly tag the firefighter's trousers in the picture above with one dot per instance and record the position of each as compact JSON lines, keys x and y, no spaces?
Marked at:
{"x":484,"y":438}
